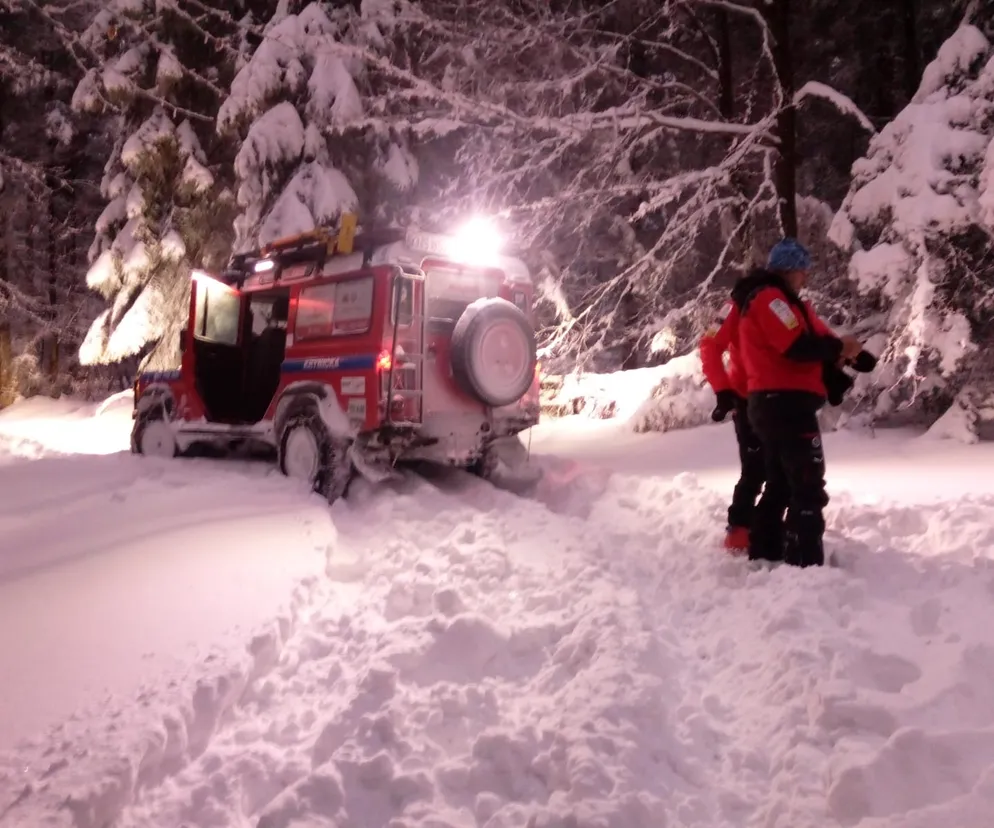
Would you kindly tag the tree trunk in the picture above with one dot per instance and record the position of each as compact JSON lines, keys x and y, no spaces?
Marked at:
{"x":912,"y":49}
{"x":6,"y":355}
{"x":726,"y":83}
{"x":631,"y":358}
{"x":6,"y":366}
{"x":50,"y":344}
{"x":777,"y":16}
{"x":885,"y":81}
{"x":742,"y":246}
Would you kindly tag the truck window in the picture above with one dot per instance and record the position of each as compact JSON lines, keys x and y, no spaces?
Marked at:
{"x":342,"y":308}
{"x":450,"y":291}
{"x":402,"y":313}
{"x":218,"y":313}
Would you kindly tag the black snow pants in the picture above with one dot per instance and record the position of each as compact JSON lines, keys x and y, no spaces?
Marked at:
{"x":787,"y":426}
{"x":753,"y":469}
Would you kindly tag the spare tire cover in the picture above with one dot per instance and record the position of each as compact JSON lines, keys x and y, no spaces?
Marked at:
{"x":494,"y":352}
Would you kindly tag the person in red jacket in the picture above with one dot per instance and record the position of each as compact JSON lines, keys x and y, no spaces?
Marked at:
{"x":729,"y":386}
{"x":784,"y":348}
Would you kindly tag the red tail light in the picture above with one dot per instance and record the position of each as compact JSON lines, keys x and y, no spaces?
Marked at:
{"x":384,"y":361}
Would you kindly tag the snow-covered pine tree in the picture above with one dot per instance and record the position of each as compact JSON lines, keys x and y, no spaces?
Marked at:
{"x":159,"y":82}
{"x":298,"y":107}
{"x":919,"y":220}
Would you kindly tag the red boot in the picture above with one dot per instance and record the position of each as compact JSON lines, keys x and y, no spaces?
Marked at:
{"x":737,"y":540}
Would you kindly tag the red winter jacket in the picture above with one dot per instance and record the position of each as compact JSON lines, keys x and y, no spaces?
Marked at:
{"x":783,"y":342}
{"x":721,"y":337}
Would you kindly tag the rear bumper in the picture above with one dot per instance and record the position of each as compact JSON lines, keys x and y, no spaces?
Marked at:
{"x":458,"y":439}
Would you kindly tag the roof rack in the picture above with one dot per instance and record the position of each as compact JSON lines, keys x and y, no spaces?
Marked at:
{"x":313,"y":246}
{"x":340,"y":243}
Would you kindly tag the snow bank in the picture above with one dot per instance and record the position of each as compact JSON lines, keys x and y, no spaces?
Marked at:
{"x":598,"y":396}
{"x":40,"y":426}
{"x":681,"y":399}
{"x":673,"y":395}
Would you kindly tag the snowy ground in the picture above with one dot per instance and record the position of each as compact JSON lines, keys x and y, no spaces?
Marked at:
{"x":198,"y":643}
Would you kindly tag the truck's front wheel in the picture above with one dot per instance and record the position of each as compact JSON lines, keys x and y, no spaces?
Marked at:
{"x":152,"y":435}
{"x":308,"y":452}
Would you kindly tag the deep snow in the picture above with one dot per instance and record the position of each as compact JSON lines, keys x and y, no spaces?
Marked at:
{"x":581,"y":655}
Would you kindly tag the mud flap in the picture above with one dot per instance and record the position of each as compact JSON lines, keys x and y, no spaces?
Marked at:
{"x":514,"y":470}
{"x":373,"y":472}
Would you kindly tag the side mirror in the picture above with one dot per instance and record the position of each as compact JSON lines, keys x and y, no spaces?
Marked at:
{"x":182,"y":341}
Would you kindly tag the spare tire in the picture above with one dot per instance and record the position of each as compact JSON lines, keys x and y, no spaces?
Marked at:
{"x":494,"y":352}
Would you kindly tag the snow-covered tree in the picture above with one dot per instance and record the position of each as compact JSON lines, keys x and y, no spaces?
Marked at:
{"x":919,"y":220}
{"x":45,"y":203}
{"x":158,"y":82}
{"x":298,"y":107}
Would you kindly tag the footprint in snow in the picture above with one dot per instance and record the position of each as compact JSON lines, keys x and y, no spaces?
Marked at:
{"x":887,"y":673}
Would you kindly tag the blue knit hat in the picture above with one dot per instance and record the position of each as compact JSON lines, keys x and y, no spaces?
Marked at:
{"x":789,"y":254}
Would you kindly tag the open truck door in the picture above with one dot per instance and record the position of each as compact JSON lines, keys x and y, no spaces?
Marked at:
{"x":214,"y":355}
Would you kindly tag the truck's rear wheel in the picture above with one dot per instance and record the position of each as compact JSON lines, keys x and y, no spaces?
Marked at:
{"x":310,"y":453}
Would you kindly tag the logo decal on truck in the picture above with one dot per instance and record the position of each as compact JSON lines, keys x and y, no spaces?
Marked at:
{"x":160,"y":376}
{"x":356,"y":408}
{"x":345,"y":363}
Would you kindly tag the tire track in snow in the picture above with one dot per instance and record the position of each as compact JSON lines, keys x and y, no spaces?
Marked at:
{"x":476,"y":658}
{"x":484,"y":673}
{"x":86,"y":776}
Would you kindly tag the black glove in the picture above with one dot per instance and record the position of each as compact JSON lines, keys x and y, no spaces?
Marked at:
{"x":727,"y":400}
{"x":863,"y":362}
{"x":837,"y":383}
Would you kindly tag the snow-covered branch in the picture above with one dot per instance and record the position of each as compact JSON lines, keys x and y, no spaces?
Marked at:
{"x":19,"y":168}
{"x":845,"y":105}
{"x":86,"y":59}
{"x":492,"y":112}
